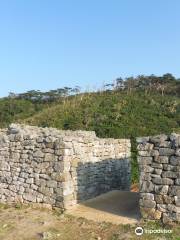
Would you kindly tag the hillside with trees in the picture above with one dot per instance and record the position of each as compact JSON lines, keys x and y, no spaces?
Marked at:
{"x":127,"y":108}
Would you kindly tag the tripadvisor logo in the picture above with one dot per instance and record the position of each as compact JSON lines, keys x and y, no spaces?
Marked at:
{"x":139,"y":231}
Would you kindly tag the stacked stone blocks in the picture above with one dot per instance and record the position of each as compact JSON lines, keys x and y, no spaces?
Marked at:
{"x":60,"y":168}
{"x":159,"y":165}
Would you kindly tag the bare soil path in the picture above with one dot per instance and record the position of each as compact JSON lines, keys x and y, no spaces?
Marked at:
{"x":28,"y":223}
{"x":117,"y":207}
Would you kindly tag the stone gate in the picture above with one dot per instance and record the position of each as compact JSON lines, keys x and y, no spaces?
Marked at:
{"x":62,"y":168}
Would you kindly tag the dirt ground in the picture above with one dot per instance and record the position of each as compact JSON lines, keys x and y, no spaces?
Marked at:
{"x":28,"y":223}
{"x":117,"y":207}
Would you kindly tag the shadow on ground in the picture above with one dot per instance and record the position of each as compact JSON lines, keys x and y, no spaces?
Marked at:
{"x":119,"y":207}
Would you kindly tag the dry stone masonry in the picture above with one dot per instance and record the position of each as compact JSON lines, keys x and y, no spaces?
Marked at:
{"x":60,"y":168}
{"x":159,"y":165}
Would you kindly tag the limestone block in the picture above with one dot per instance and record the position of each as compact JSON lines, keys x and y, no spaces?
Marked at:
{"x":146,"y":169}
{"x":175,"y":138}
{"x":29,"y":197}
{"x":177,"y":201}
{"x":162,"y":207}
{"x":166,"y":151}
{"x":150,"y":213}
{"x":145,"y":160}
{"x":157,"y":165}
{"x":51,"y":184}
{"x":169,"y":174}
{"x":169,"y":167}
{"x":4,"y":166}
{"x":173,"y":208}
{"x":147,"y":196}
{"x":158,"y":139}
{"x":147,"y":153}
{"x":161,"y":189}
{"x":30,"y":180}
{"x":147,"y":203}
{"x":177,"y":153}
{"x":161,"y":159}
{"x":158,"y":171}
{"x":174,"y":191}
{"x":145,"y":146}
{"x":162,"y":181}
{"x":175,"y":161}
{"x":38,"y":154}
{"x":142,"y":139}
{"x":167,"y":219}
{"x":177,"y":181}
{"x":146,"y":187}
{"x":168,"y":199}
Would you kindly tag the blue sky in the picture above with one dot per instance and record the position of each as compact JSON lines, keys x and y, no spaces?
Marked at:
{"x":47,"y":44}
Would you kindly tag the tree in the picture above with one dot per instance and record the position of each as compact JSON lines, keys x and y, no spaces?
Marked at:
{"x":120,"y":85}
{"x":129,"y":84}
{"x":76,"y":90}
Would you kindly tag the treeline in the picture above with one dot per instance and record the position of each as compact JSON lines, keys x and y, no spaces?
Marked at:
{"x":26,"y":105}
{"x":166,"y":84}
{"x":37,"y":95}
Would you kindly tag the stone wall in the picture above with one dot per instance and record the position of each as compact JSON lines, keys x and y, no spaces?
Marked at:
{"x":60,"y":168}
{"x":159,"y":165}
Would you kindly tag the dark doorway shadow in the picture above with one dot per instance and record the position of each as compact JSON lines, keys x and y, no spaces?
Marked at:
{"x":105,"y":186}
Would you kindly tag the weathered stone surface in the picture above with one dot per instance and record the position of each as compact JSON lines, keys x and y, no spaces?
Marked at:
{"x":161,"y":159}
{"x":150,"y":213}
{"x":157,"y":165}
{"x":162,"y":207}
{"x":158,"y":138}
{"x":168,"y":199}
{"x":160,"y":178}
{"x":29,"y":197}
{"x":158,"y":198}
{"x":175,"y":138}
{"x":173,"y":208}
{"x":145,"y":146}
{"x":147,"y":203}
{"x":169,"y":167}
{"x":166,"y":151}
{"x":177,"y":181}
{"x":142,"y":140}
{"x":145,"y":177}
{"x":177,"y":201}
{"x":177,"y":153}
{"x":144,"y":160}
{"x":146,"y":169}
{"x":162,"y":181}
{"x":158,"y":171}
{"x":147,"y":153}
{"x":169,"y":174}
{"x":147,"y":196}
{"x":166,"y":218}
{"x":175,"y":160}
{"x":60,"y":168}
{"x":174,"y":191}
{"x":146,"y":187}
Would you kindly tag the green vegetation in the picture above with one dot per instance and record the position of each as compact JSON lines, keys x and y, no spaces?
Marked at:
{"x":132,"y":107}
{"x":12,"y":110}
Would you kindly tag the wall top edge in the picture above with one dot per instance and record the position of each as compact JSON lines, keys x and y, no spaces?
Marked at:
{"x":159,"y":138}
{"x":35,"y":131}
